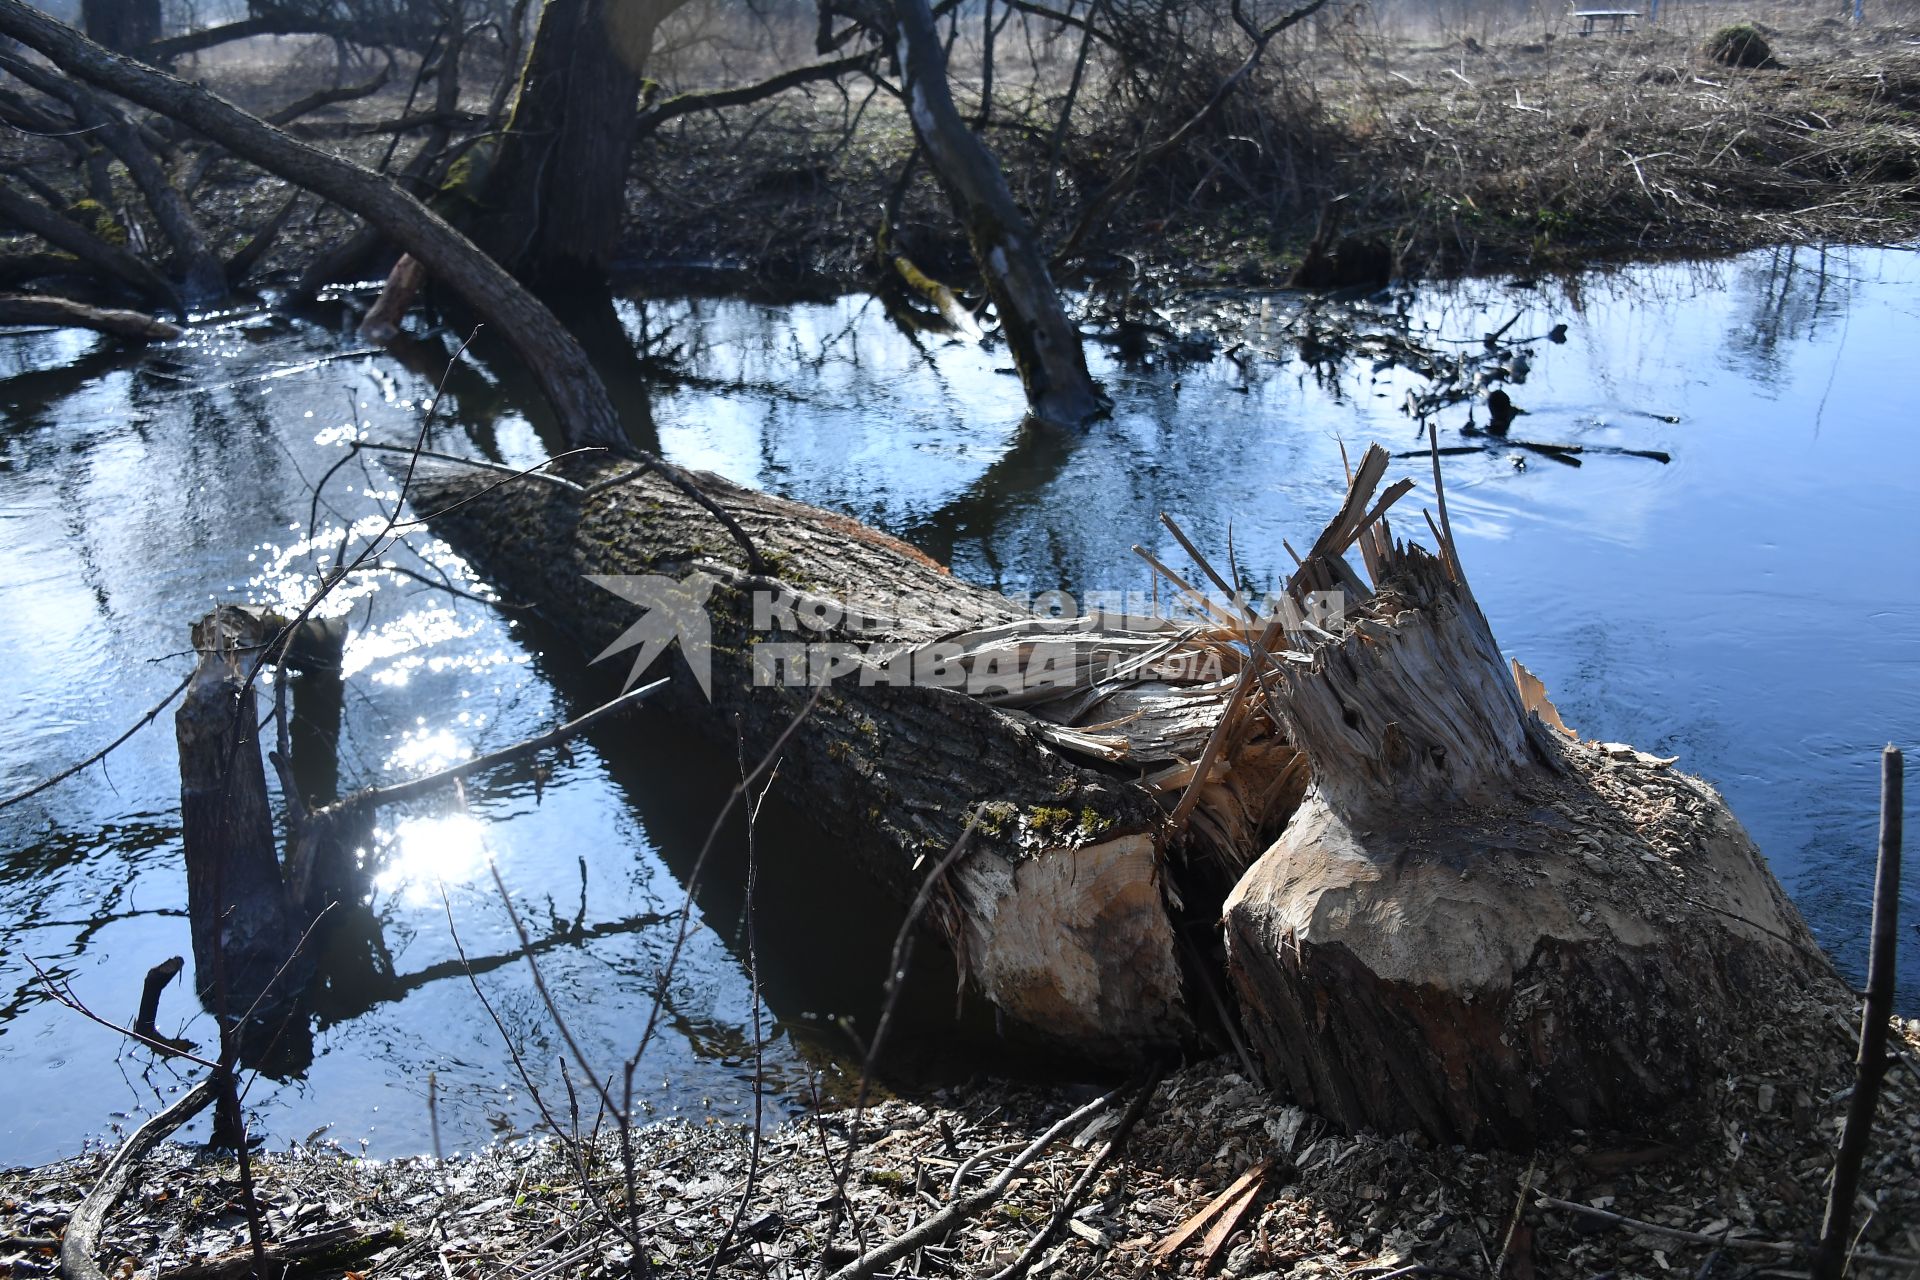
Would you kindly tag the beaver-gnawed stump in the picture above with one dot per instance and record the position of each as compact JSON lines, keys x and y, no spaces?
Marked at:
{"x":1475,"y":927}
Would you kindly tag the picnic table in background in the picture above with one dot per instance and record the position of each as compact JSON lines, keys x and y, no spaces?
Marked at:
{"x":1615,"y":20}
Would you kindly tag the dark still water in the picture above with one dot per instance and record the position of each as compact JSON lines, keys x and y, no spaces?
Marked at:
{"x":1753,"y":607}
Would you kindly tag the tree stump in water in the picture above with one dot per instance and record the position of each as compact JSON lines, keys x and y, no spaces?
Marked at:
{"x":1473,"y":926}
{"x":244,"y":929}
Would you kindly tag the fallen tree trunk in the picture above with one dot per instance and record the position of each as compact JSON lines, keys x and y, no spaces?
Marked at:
{"x":1059,"y":912}
{"x":1471,"y":926}
{"x":26,"y":308}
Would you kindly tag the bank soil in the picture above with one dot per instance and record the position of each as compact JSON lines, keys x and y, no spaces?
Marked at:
{"x":1527,"y":147}
{"x":1732,"y":1188}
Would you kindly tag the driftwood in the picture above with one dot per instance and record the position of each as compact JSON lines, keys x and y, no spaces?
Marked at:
{"x":83,"y":1228}
{"x":25,"y":308}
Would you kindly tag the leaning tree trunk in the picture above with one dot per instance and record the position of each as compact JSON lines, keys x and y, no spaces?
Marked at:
{"x":565,"y":376}
{"x":1046,"y":346}
{"x":1474,"y":926}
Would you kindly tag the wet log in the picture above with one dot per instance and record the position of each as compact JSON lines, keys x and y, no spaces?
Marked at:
{"x":244,"y":924}
{"x":1058,"y":912}
{"x":1475,"y":926}
{"x":25,"y":308}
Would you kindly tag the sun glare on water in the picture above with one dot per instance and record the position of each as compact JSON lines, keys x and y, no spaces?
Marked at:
{"x":421,"y":854}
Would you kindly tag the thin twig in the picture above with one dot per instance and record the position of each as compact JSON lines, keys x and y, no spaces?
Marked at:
{"x":101,"y":754}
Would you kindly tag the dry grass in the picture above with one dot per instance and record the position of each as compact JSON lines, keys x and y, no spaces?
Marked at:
{"x":1527,"y":146}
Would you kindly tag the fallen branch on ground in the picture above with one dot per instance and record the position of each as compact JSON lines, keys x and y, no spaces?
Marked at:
{"x":83,"y":1229}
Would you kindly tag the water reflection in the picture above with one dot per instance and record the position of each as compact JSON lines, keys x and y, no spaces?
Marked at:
{"x":1751,"y":607}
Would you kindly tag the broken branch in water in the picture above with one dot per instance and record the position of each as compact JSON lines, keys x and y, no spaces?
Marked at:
{"x":417,"y":786}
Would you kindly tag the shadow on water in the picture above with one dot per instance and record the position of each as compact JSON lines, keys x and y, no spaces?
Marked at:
{"x":1664,"y":605}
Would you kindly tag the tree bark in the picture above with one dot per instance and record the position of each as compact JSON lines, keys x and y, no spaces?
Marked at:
{"x":1045,"y":344}
{"x":551,"y":204}
{"x":1474,"y":926}
{"x":565,"y":376}
{"x":22,"y":308}
{"x":1058,"y":912}
{"x":243,"y":924}
{"x":121,"y":25}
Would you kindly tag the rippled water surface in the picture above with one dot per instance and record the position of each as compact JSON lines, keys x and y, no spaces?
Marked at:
{"x":1752,"y":607}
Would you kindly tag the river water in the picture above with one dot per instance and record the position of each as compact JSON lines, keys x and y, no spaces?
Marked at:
{"x":1752,"y":607}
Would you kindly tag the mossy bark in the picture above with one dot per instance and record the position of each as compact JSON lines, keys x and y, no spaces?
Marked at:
{"x":1056,"y":910}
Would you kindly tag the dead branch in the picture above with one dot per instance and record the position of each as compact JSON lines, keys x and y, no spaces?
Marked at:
{"x":401,"y":791}
{"x":101,"y":754}
{"x":162,"y":52}
{"x":682,"y":104}
{"x":202,"y":277}
{"x":329,"y":1249}
{"x":28,"y":308}
{"x":107,"y":259}
{"x":248,"y":256}
{"x":83,"y":1229}
{"x":556,"y":360}
{"x":329,"y":98}
{"x":936,"y":1227}
{"x":1107,"y":196}
{"x":1069,"y":1202}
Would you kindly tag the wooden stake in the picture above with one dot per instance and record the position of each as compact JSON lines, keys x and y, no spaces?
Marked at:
{"x":1830,"y":1261}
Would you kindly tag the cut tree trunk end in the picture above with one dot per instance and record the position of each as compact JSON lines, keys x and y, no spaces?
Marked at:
{"x":244,"y":926}
{"x":1477,"y":927}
